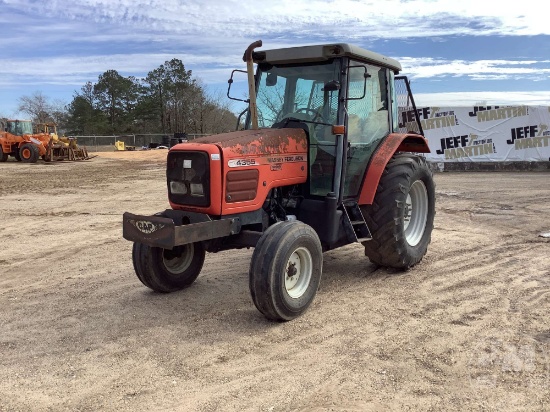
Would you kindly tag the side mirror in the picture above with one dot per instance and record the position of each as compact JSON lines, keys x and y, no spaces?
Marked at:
{"x":331,"y":86}
{"x":230,"y":81}
{"x":271,"y":79}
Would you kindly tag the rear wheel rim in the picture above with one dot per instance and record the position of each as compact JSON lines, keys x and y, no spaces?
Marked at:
{"x":298,"y":272}
{"x":415,"y":214}
{"x":176,"y":263}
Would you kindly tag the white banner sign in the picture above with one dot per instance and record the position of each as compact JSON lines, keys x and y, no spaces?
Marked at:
{"x":485,"y":133}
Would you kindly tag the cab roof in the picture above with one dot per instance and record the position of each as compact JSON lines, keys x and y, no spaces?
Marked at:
{"x":323,"y":52}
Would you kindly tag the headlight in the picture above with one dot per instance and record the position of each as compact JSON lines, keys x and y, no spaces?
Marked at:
{"x":197,"y":189}
{"x":178,"y":188}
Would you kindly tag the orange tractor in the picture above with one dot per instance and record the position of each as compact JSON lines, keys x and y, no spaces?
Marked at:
{"x":323,"y":162}
{"x":19,"y":139}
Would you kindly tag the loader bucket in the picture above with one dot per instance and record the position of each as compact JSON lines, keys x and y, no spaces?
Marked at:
{"x":67,"y":151}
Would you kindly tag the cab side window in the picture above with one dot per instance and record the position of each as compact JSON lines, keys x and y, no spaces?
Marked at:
{"x":368,"y":120}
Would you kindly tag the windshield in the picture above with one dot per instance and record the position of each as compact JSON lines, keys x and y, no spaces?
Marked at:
{"x":297,"y":91}
{"x":20,"y":127}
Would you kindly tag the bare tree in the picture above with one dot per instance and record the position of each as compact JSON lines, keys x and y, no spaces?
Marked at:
{"x":210,"y":113}
{"x":37,"y":106}
{"x":220,"y":118}
{"x":270,"y":104}
{"x":58,"y":112}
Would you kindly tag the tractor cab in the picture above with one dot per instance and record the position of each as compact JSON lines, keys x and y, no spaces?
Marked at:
{"x":345,"y":98}
{"x":19,"y":127}
{"x":46,"y":128}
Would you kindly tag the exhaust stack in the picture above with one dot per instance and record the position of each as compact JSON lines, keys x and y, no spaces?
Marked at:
{"x":251,"y":83}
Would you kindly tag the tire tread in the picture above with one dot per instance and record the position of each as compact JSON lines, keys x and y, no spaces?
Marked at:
{"x":268,"y":261}
{"x":388,"y":246}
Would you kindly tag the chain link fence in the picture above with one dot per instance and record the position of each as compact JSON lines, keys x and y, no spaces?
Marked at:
{"x":107,"y":143}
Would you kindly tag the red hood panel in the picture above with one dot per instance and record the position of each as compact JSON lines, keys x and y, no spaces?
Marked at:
{"x":261,"y":141}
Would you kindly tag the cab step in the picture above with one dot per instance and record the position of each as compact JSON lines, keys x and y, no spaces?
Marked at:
{"x":356,"y":227}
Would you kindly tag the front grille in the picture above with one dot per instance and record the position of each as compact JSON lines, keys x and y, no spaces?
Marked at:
{"x":241,"y":185}
{"x":188,"y":178}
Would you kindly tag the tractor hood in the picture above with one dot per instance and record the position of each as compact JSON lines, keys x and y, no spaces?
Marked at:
{"x":258,"y":142}
{"x":235,"y":171}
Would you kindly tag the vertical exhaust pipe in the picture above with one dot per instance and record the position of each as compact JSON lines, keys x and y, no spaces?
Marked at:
{"x":251,"y":84}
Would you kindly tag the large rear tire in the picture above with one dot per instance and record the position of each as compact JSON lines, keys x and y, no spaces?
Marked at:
{"x":285,"y":270}
{"x":402,"y":214}
{"x":165,"y":270}
{"x":29,"y":153}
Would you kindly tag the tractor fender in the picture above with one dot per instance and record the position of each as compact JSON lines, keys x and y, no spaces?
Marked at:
{"x":394,"y":142}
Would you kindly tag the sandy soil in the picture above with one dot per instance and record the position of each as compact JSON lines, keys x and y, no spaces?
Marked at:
{"x":467,"y":329}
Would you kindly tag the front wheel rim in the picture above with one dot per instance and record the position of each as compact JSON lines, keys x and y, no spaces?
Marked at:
{"x":298,"y":272}
{"x":176,"y":263}
{"x":415,"y":214}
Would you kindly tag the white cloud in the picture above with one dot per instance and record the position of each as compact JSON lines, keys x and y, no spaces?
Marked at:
{"x":70,"y":70}
{"x":209,"y":34}
{"x":128,"y":63}
{"x":216,"y":68}
{"x":351,"y":18}
{"x":538,"y":98}
{"x":427,"y":67}
{"x":86,"y":37}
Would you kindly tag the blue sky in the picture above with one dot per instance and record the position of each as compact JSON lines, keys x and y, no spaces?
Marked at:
{"x":455,"y":52}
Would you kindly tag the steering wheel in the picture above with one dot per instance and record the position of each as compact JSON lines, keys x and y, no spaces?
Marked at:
{"x":316,"y":114}
{"x":303,"y":113}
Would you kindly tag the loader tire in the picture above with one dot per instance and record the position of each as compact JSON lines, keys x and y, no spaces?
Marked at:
{"x":29,"y":153}
{"x":17,"y":155}
{"x":3,"y":156}
{"x":401,"y":216}
{"x":165,"y":270}
{"x":285,"y":270}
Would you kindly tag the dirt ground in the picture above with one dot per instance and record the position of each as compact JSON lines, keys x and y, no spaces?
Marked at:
{"x":466,"y":329}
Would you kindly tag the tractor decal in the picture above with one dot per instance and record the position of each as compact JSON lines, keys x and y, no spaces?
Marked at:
{"x":277,"y":159}
{"x":146,"y":227}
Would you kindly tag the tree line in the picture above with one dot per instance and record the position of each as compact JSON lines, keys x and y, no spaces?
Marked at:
{"x":168,"y":100}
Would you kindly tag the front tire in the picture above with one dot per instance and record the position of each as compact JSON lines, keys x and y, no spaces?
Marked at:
{"x":29,"y":153}
{"x":165,"y":270}
{"x":285,"y":270}
{"x":402,"y":214}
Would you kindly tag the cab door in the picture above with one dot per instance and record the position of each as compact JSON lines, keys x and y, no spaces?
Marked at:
{"x":368,"y":120}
